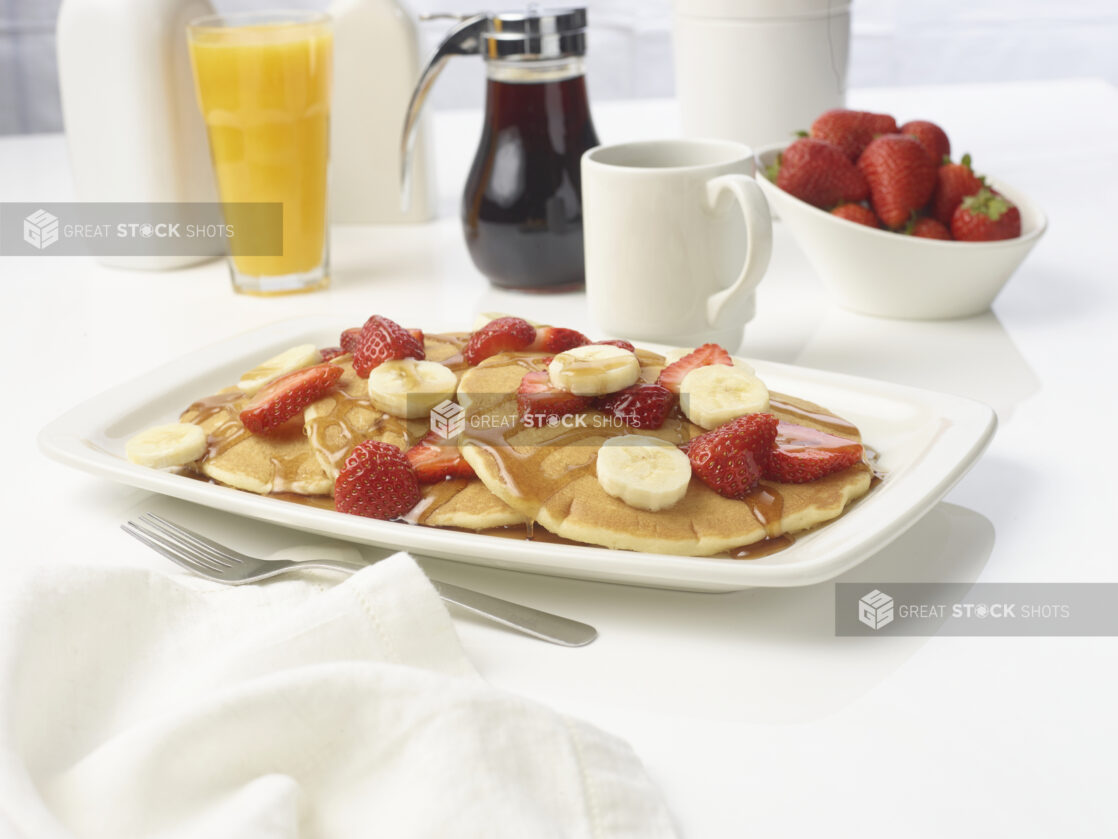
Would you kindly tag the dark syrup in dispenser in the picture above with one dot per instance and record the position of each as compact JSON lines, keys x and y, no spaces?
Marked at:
{"x":522,"y":207}
{"x":522,"y":202}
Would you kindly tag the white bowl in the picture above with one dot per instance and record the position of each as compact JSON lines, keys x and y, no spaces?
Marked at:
{"x":876,"y":272}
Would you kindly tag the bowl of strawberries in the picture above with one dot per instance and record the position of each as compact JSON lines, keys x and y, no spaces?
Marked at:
{"x":893,"y":225}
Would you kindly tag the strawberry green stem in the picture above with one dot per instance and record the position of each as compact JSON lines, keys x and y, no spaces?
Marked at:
{"x":986,"y":203}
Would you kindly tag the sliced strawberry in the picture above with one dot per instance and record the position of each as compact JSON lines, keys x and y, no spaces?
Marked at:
{"x":331,"y":353}
{"x":731,"y":459}
{"x":418,"y":335}
{"x":349,"y":339}
{"x":377,"y":482}
{"x":383,"y":340}
{"x":641,"y":406}
{"x":617,"y":342}
{"x":707,"y":354}
{"x":537,"y":399}
{"x":434,"y":460}
{"x":805,"y":454}
{"x":498,"y":336}
{"x":557,"y":339}
{"x":282,"y":399}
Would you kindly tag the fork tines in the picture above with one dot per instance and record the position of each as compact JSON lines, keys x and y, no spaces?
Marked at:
{"x":188,"y":549}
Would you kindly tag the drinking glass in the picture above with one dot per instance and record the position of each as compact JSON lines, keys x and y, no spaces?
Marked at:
{"x":263,"y":83}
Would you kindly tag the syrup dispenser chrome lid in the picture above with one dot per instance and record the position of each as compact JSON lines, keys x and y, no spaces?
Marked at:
{"x":531,"y":35}
{"x":535,"y":34}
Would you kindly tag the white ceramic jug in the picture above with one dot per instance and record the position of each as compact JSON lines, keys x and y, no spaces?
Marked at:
{"x":132,"y":124}
{"x":376,"y":65}
{"x":756,"y":71}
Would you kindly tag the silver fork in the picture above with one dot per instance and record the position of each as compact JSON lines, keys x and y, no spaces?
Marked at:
{"x":215,"y":561}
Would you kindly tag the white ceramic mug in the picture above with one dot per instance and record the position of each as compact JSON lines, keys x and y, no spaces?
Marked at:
{"x":677,"y":237}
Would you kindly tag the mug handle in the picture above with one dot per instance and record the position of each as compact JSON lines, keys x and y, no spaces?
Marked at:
{"x":758,"y":238}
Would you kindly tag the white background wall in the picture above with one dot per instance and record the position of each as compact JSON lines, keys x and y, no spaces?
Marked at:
{"x":894,"y":42}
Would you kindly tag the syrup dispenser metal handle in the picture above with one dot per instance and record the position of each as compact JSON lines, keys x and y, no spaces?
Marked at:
{"x":464,"y":39}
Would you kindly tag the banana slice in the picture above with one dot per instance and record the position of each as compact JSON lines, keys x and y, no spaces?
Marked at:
{"x":594,"y":369}
{"x":410,"y":389}
{"x":672,"y":356}
{"x":644,"y":472}
{"x":286,"y":362}
{"x":717,"y":393}
{"x":167,"y":445}
{"x":485,"y":317}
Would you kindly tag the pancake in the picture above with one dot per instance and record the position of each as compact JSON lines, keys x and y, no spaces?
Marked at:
{"x":547,"y":474}
{"x":338,"y":423}
{"x":467,"y":505}
{"x":279,"y":462}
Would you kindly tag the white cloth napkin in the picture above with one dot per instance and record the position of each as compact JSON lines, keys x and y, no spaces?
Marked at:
{"x":136,"y":704}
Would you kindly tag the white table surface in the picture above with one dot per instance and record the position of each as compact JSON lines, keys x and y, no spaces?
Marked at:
{"x":750,"y":714}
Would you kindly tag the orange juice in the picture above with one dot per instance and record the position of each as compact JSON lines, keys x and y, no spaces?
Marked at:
{"x":264,"y":90}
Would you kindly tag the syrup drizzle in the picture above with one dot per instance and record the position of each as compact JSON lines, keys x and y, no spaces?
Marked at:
{"x":828,"y":422}
{"x":336,"y":433}
{"x":765,"y":501}
{"x":435,"y":496}
{"x":228,"y":433}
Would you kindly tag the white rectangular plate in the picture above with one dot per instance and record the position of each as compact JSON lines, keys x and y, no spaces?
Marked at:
{"x":926,"y":442}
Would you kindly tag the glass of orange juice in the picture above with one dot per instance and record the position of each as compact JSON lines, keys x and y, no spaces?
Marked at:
{"x":263,"y":83}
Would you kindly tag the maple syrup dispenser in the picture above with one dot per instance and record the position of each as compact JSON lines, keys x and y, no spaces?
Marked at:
{"x":522,"y":203}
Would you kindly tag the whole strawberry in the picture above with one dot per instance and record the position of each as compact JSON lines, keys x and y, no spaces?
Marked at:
{"x":954,"y":182}
{"x":900,"y":175}
{"x":928,"y":228}
{"x":851,"y":131}
{"x":731,"y":459}
{"x":986,"y":217}
{"x":857,"y":214}
{"x":819,"y":173}
{"x":377,"y":482}
{"x":931,"y":137}
{"x":382,"y":340}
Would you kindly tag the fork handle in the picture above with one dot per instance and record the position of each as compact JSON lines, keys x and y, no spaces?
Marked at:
{"x":539,"y":624}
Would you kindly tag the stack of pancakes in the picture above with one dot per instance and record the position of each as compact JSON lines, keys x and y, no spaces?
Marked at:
{"x":541,"y":475}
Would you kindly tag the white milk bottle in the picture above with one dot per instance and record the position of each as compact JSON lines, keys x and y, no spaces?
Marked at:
{"x":133,"y":127}
{"x":376,"y":64}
